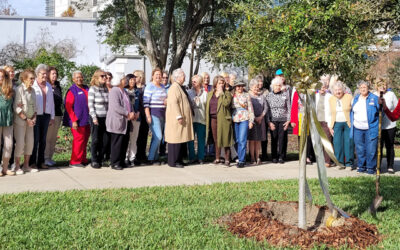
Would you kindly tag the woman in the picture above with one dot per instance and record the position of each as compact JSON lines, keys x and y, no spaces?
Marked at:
{"x":206,"y":82}
{"x":198,"y":97}
{"x":106,"y":140}
{"x":258,"y":133}
{"x":52,"y":132}
{"x":243,"y":118}
{"x":133,"y":135}
{"x":24,"y":121}
{"x":144,"y":127}
{"x":279,"y":118}
{"x":388,"y":126}
{"x":118,"y":116}
{"x":339,"y":126}
{"x":6,"y":120}
{"x":364,"y":117}
{"x":98,"y":106}
{"x":154,"y":100}
{"x":11,"y":72}
{"x":219,"y":119}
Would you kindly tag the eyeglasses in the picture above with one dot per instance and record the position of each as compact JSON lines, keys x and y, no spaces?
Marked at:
{"x":32,"y":78}
{"x":102,"y":76}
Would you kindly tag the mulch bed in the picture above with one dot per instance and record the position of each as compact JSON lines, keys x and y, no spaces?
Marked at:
{"x":275,"y":222}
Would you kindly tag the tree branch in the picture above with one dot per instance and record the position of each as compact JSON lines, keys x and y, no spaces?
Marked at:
{"x":166,"y":31}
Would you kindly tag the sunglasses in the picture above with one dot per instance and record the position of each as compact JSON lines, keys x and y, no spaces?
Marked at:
{"x":102,"y":76}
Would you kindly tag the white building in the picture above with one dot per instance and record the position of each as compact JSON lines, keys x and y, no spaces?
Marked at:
{"x":88,"y":8}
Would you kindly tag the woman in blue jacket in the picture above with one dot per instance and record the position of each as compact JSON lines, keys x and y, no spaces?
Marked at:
{"x":364,"y":118}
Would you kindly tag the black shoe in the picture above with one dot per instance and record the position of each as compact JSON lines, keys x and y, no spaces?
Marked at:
{"x":132,"y":164}
{"x":240,"y":165}
{"x":281,"y":161}
{"x":137,"y":163}
{"x":178,"y":165}
{"x":274,"y":161}
{"x":116,"y":167}
{"x":95,"y":165}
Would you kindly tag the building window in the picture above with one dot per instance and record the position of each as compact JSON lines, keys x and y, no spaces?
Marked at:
{"x":95,"y":14}
{"x":94,"y":2}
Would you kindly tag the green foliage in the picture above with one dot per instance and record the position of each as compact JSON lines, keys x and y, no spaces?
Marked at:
{"x":394,"y":73}
{"x":182,"y":217}
{"x":50,"y":58}
{"x":320,"y":36}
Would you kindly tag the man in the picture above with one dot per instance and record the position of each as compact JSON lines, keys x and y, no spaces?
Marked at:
{"x":178,"y":119}
{"x":45,"y":115}
{"x":77,"y":118}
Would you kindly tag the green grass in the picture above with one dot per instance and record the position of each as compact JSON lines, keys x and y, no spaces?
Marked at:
{"x":172,"y":217}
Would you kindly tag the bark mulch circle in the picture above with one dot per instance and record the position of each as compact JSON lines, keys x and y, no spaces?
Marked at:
{"x":276,"y":222}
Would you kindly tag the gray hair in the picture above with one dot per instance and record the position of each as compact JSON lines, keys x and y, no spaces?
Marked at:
{"x":41,"y":67}
{"x":259,"y":77}
{"x":276,"y":80}
{"x":176,"y":73}
{"x":233,"y":75}
{"x":76,"y":72}
{"x":338,"y":84}
{"x":253,"y":82}
{"x":359,"y":83}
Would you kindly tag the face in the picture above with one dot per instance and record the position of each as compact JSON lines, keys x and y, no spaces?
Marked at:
{"x":42,"y":76}
{"x":260,"y":84}
{"x":239,"y":88}
{"x":157,"y":77}
{"x":338,"y":92}
{"x":132,"y":82}
{"x":227,"y":79}
{"x":102,"y":78}
{"x":232,"y":80}
{"x":11,"y":73}
{"x":108,"y":79}
{"x":53,"y":76}
{"x":255,"y":88}
{"x":195,"y":83}
{"x":164,"y":78}
{"x":382,"y":87}
{"x":206,"y":79}
{"x":277,"y":87}
{"x":1,"y":78}
{"x":322,"y":91}
{"x":122,"y":83}
{"x":363,"y":89}
{"x":29,"y":81}
{"x":221,"y":84}
{"x":78,"y":79}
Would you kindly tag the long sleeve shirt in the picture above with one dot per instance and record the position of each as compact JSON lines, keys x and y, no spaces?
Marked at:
{"x":97,"y":102}
{"x":278,"y":106}
{"x":44,"y":104}
{"x":242,"y":108}
{"x":153,"y":98}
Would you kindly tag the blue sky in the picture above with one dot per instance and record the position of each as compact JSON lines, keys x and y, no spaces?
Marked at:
{"x":29,"y":7}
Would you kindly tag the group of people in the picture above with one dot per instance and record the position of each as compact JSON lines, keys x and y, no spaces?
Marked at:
{"x":220,"y":115}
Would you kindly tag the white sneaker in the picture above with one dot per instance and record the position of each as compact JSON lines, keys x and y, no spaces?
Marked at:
{"x":12,"y":167}
{"x":49,"y":163}
{"x":30,"y":170}
{"x":19,"y":172}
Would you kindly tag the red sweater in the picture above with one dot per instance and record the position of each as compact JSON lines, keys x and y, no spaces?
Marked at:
{"x":395,"y":114}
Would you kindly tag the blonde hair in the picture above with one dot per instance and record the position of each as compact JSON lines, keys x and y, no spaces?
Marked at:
{"x":24,"y":74}
{"x":6,"y":85}
{"x":95,"y":78}
{"x":204,"y":74}
{"x":9,"y":68}
{"x":198,"y":78}
{"x":141,"y":74}
{"x":216,"y":80}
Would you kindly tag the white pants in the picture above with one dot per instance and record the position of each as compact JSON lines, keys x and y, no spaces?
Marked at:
{"x":7,"y":134}
{"x":23,"y":140}
{"x":51,"y":138}
{"x":132,"y":148}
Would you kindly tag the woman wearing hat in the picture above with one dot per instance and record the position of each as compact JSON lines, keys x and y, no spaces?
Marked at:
{"x":243,"y":118}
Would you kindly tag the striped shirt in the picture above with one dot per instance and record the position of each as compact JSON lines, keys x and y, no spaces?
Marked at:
{"x":98,"y":102}
{"x":153,"y":98}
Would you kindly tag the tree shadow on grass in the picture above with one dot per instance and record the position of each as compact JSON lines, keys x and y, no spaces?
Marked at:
{"x":360,"y":193}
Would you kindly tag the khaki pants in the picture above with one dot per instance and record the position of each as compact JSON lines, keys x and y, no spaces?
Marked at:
{"x":23,"y":140}
{"x":51,"y":138}
{"x":7,"y":134}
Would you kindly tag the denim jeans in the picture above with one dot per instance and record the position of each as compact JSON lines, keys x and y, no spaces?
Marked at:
{"x":241,"y":129}
{"x":200,"y":131}
{"x":157,"y":128}
{"x":366,"y":150}
{"x":343,"y":144}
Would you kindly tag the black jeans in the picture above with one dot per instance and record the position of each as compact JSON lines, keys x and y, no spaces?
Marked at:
{"x":39,"y":141}
{"x":388,"y":139}
{"x":119,"y":145}
{"x":99,"y":140}
{"x":278,"y":141}
{"x":142,"y":139}
{"x":175,"y":153}
{"x":264,"y":144}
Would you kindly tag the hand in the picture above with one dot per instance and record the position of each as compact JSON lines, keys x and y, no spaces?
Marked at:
{"x":165,"y":101}
{"x":20,"y":105}
{"x":30,"y":122}
{"x":22,"y":116}
{"x":137,"y":114}
{"x":258,"y":119}
{"x":96,"y":122}
{"x":293,"y":124}
{"x":383,"y":102}
{"x":180,"y":121}
{"x":331,"y":130}
{"x":250,"y":125}
{"x":74,"y":125}
{"x":52,"y":122}
{"x":286,"y":125}
{"x":272,"y":126}
{"x":148,"y":119}
{"x":131,"y":115}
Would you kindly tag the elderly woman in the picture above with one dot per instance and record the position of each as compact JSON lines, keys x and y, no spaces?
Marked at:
{"x":243,"y":118}
{"x":258,"y":133}
{"x":154,"y":100}
{"x":388,"y":126}
{"x":206,"y":82}
{"x":198,"y":96}
{"x":77,"y":118}
{"x":219,"y":119}
{"x":279,"y":118}
{"x":24,"y":121}
{"x":6,"y":120}
{"x":45,"y":115}
{"x":263,"y":91}
{"x":339,"y":125}
{"x":130,"y":88}
{"x":52,"y":131}
{"x":364,"y":117}
{"x":117,"y":122}
{"x":98,"y":106}
{"x":144,"y":127}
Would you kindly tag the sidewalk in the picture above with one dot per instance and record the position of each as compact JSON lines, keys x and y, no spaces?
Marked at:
{"x":65,"y":178}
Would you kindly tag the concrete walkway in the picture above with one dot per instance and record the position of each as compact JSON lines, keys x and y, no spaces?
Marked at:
{"x":65,"y":178}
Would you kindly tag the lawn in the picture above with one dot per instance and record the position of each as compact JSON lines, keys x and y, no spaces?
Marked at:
{"x":172,"y":217}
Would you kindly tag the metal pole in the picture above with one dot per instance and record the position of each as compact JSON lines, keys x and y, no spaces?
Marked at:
{"x":302,"y":171}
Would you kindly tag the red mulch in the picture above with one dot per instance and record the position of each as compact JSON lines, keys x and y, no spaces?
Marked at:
{"x":254,"y":222}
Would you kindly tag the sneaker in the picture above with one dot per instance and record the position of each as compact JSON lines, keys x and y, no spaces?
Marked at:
{"x":281,"y":161}
{"x":9,"y":172}
{"x":12,"y":167}
{"x":30,"y":170}
{"x":49,"y":163}
{"x":79,"y":165}
{"x":390,"y":170}
{"x":19,"y":172}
